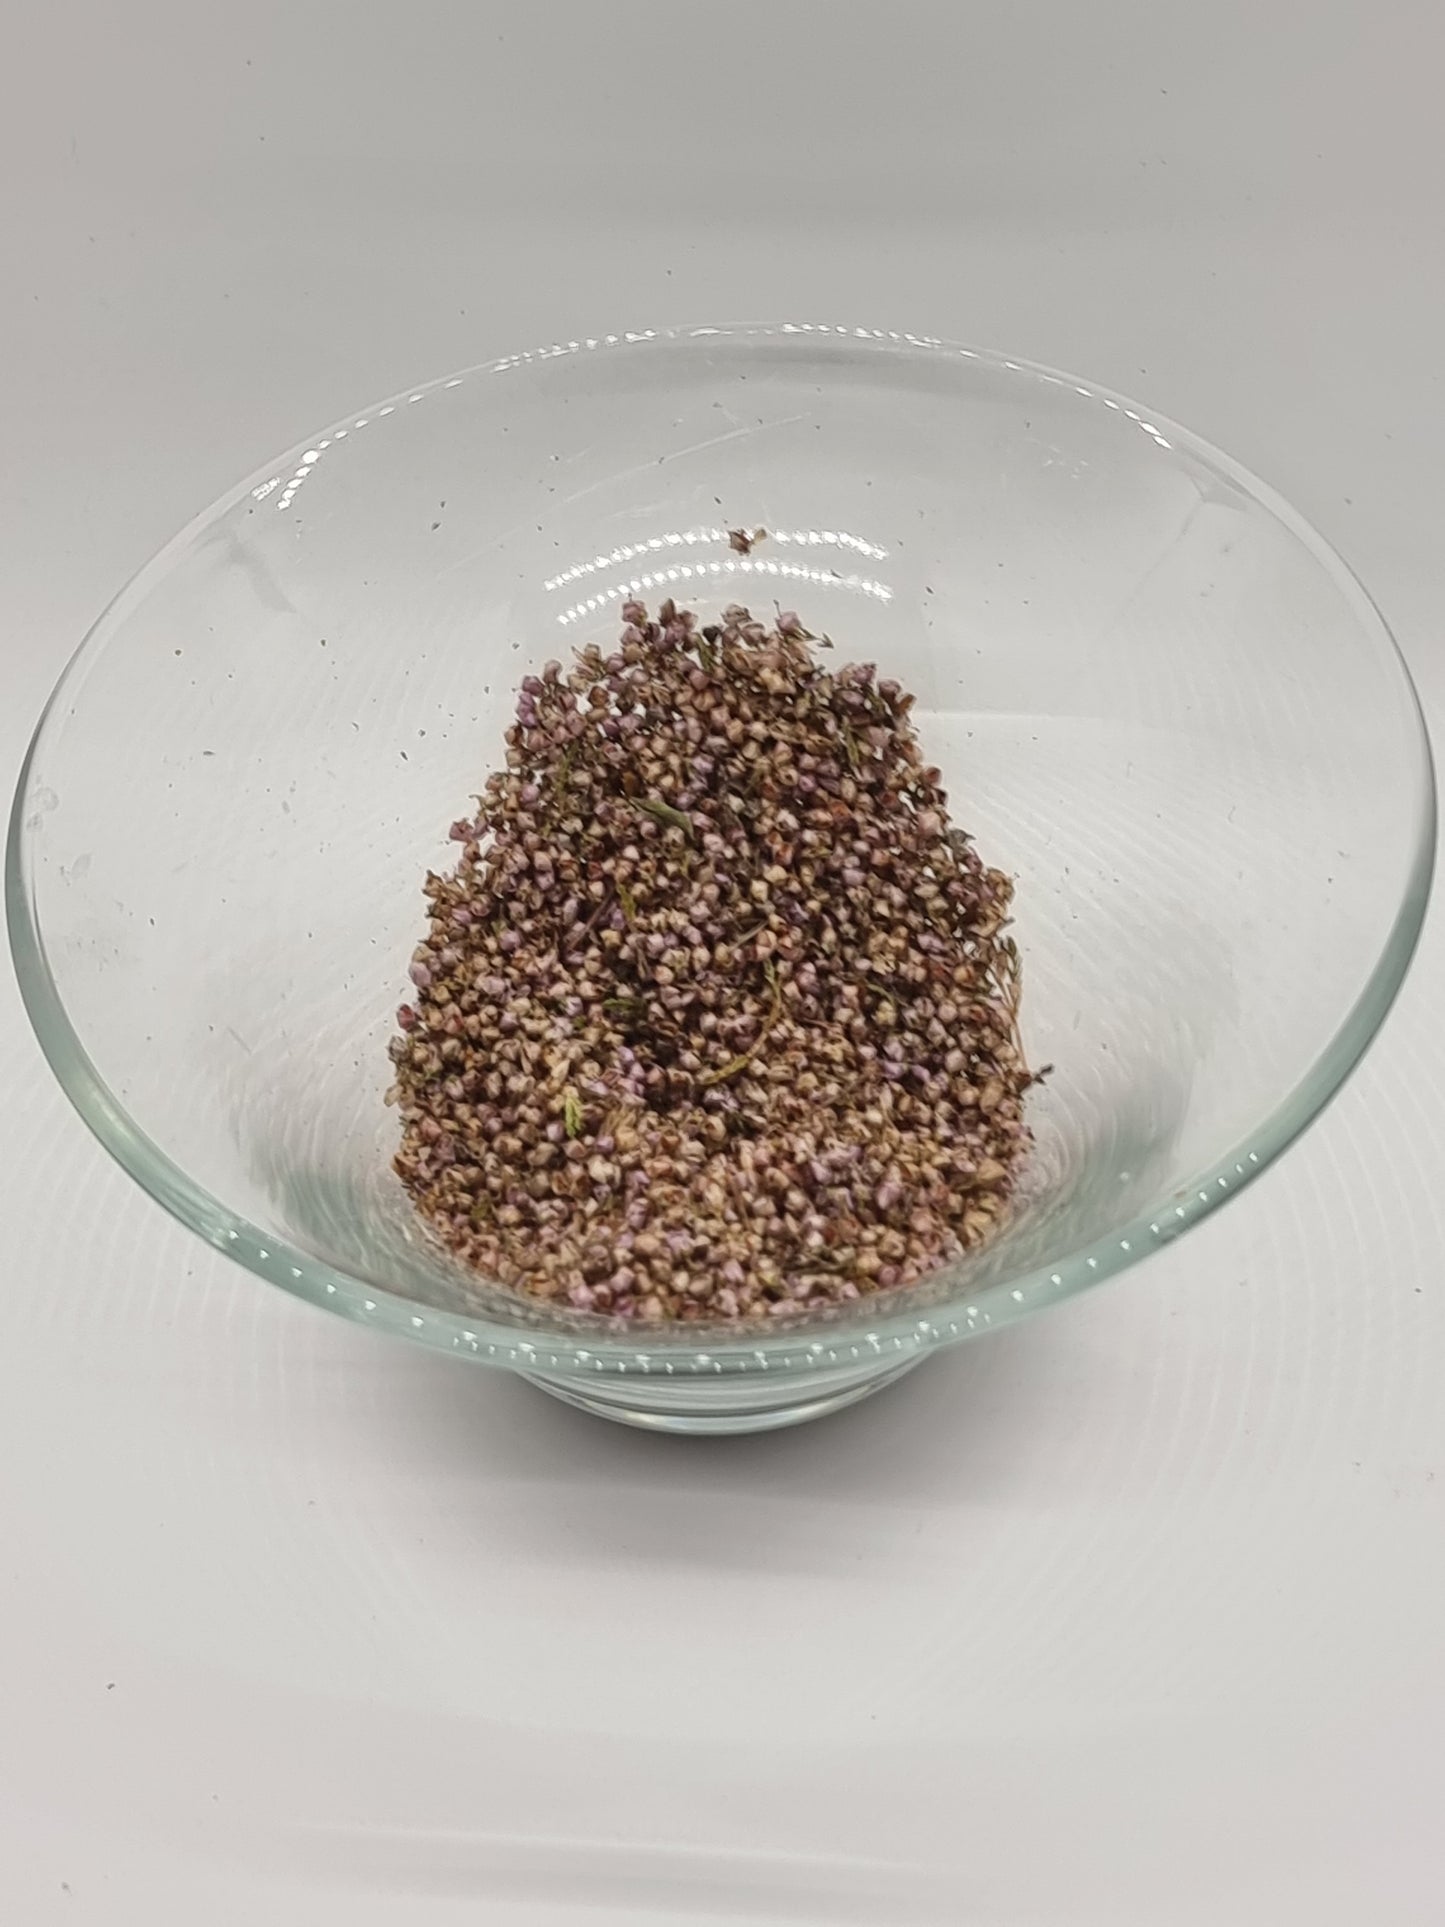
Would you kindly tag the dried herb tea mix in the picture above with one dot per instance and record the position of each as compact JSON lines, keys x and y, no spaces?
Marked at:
{"x":716,"y":1016}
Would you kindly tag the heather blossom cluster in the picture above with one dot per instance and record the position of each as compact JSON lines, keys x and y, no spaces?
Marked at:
{"x":716,"y":1016}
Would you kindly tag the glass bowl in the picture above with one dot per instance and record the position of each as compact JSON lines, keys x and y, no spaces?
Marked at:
{"x":1158,"y":700}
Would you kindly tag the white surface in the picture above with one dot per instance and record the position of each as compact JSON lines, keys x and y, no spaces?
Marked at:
{"x":1130,"y":1615}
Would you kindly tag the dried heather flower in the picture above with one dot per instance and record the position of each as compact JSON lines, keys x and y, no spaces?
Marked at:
{"x":717,"y":1016}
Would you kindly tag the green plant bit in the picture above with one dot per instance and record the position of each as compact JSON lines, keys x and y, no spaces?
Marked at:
{"x":738,"y":1064}
{"x":664,"y":813}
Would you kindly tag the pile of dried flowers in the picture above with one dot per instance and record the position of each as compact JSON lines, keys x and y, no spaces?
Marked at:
{"x":717,"y":1015}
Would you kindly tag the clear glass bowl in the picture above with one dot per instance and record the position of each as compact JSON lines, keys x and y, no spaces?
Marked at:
{"x":1157,"y":697}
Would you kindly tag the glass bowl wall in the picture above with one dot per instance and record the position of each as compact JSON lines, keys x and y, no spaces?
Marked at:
{"x":1158,"y":700}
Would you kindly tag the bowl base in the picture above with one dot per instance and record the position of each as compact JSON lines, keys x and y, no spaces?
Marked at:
{"x":702,"y":1410}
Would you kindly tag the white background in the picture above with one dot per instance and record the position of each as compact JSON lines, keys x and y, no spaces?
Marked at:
{"x":1131,"y":1615}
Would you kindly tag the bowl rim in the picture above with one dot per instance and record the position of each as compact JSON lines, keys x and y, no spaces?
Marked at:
{"x":588,"y":1344}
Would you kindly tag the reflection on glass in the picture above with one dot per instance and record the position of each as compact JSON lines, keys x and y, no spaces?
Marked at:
{"x":738,"y":565}
{"x":689,"y":538}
